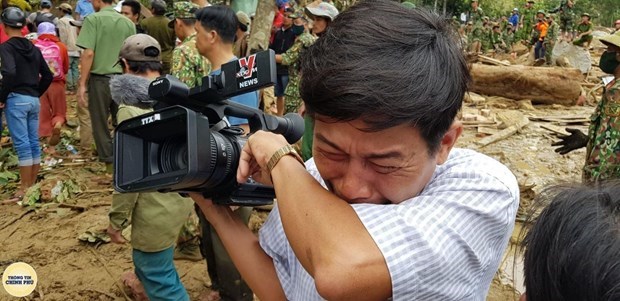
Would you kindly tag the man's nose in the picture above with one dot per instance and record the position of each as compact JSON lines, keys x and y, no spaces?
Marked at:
{"x":355,"y":186}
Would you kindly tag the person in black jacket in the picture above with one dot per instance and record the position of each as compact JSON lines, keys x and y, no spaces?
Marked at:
{"x":25,"y":77}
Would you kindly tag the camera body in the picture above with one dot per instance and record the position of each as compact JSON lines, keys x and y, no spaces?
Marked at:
{"x":190,"y":146}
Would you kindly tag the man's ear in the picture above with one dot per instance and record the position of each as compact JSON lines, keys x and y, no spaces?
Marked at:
{"x":448,"y":141}
{"x":523,"y":297}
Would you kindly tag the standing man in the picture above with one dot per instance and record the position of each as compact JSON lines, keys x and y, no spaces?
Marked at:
{"x":553,"y":33}
{"x":603,"y":139}
{"x":44,"y":15}
{"x":68,"y":35}
{"x":84,"y":8}
{"x":243,"y":34}
{"x":131,"y":9}
{"x":527,"y":22}
{"x":566,"y":18}
{"x":216,"y":28}
{"x":283,"y":39}
{"x":101,"y":36}
{"x":538,"y":39}
{"x":514,"y":19}
{"x":387,"y":207}
{"x":187,"y":64}
{"x":476,"y":13}
{"x":157,"y":27}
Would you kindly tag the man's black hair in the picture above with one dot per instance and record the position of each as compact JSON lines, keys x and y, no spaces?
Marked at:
{"x":107,"y":1}
{"x":188,"y":22}
{"x":242,"y":27}
{"x":573,"y":248}
{"x":220,"y":18}
{"x":387,"y":66}
{"x":143,"y":67}
{"x":134,"y":5}
{"x":46,"y":5}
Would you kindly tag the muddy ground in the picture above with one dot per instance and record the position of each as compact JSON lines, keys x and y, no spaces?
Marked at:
{"x":69,"y":269}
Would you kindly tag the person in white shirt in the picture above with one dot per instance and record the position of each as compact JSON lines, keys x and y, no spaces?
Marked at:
{"x":387,"y":208}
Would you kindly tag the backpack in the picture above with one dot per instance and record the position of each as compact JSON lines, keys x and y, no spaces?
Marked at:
{"x":51,"y":54}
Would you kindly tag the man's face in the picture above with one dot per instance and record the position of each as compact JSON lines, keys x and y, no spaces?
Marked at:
{"x":204,"y":38}
{"x":617,"y":25}
{"x":288,"y":21}
{"x":97,"y":5}
{"x":474,"y":5}
{"x":126,"y":11}
{"x":319,"y":26}
{"x":383,"y":167}
{"x":585,"y":19}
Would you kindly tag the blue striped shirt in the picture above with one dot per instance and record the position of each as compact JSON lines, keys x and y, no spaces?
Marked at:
{"x":444,"y":244}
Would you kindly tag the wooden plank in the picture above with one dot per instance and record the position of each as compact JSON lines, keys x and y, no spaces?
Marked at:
{"x":503,"y":134}
{"x":492,"y":61}
{"x":554,"y":129}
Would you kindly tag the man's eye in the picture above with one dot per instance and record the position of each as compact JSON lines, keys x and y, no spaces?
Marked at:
{"x":333,"y":156}
{"x":384,"y":169}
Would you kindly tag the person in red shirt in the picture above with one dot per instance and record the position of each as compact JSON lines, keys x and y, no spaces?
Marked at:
{"x":53,"y":113}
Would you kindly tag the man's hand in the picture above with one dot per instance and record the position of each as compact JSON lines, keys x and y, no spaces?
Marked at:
{"x":81,"y":96}
{"x":569,"y":143}
{"x":116,"y":235}
{"x":1,"y":105}
{"x":256,"y":154}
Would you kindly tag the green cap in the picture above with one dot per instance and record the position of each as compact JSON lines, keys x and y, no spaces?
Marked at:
{"x":586,"y":15}
{"x":540,"y":11}
{"x":408,"y":4}
{"x":183,"y":10}
{"x":612,"y":39}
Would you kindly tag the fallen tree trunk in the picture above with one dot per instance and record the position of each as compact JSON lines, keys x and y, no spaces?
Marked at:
{"x":540,"y":84}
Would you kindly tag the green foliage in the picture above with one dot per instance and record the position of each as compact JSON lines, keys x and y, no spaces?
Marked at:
{"x":604,"y":12}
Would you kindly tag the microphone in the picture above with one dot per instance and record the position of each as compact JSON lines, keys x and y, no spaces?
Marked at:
{"x":291,"y":126}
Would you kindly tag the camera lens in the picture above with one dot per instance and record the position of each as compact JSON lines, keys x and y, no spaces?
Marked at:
{"x":173,"y":155}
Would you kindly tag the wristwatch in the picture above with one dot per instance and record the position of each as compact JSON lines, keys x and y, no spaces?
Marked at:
{"x":280,"y":153}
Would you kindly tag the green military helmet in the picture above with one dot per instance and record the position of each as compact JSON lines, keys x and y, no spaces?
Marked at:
{"x":408,"y":4}
{"x":531,"y":1}
{"x":587,"y":15}
{"x":485,"y":18}
{"x":183,"y":10}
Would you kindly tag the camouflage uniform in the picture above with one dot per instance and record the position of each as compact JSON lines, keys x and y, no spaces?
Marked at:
{"x":552,"y":35}
{"x":603,"y":152}
{"x":188,"y":65}
{"x":566,"y":16}
{"x":291,"y":58}
{"x":485,"y":39}
{"x":497,"y":41}
{"x":529,"y":14}
{"x":476,"y":16}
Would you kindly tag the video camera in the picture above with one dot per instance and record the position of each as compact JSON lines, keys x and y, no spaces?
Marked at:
{"x":190,"y":146}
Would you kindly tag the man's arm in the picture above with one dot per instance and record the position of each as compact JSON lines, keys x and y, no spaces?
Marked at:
{"x":255,"y":266}
{"x":86,"y":63}
{"x":87,"y":40}
{"x":323,"y":230}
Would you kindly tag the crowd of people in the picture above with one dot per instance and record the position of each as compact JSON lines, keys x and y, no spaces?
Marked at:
{"x":376,"y":202}
{"x":540,"y":29}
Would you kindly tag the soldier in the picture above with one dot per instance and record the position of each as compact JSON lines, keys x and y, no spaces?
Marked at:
{"x":189,"y":67}
{"x":527,"y":22}
{"x":240,"y":49}
{"x":552,"y":36}
{"x":485,"y":38}
{"x":187,"y":64}
{"x":603,"y":140}
{"x":584,"y":31}
{"x":566,"y":18}
{"x":538,"y":37}
{"x":475,"y":14}
{"x":509,"y":38}
{"x":292,"y":100}
{"x":497,"y":40}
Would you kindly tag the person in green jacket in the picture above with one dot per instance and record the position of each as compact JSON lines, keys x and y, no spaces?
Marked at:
{"x":584,"y":32}
{"x":156,"y":218}
{"x":552,"y":36}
